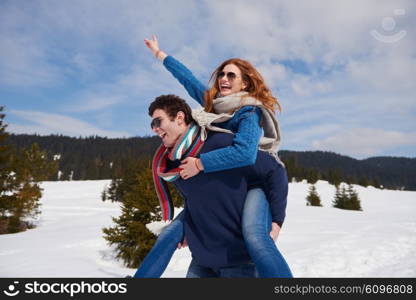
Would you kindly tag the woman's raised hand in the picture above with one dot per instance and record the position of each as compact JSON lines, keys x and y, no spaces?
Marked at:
{"x":153,"y":45}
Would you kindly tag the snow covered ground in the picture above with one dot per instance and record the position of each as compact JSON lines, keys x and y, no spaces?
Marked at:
{"x":323,"y":241}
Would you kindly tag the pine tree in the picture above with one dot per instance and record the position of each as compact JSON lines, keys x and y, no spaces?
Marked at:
{"x":346,"y":198}
{"x":140,"y":206}
{"x":8,"y":182}
{"x":313,"y":198}
{"x":31,"y":166}
{"x":341,"y":197}
{"x":20,"y":173}
{"x":354,"y":202}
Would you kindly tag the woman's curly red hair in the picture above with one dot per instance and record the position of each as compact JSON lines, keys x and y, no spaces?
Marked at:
{"x":256,"y":86}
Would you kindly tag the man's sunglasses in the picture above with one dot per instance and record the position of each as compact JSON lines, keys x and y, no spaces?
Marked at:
{"x":155,"y":123}
{"x":230,"y":75}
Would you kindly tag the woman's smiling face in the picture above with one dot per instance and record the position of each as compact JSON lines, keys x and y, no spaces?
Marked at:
{"x":230,"y":80}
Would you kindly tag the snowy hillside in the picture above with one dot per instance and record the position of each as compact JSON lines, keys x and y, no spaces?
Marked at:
{"x":323,"y":241}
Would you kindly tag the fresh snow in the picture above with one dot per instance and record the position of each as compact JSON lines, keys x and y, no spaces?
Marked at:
{"x":379,"y":241}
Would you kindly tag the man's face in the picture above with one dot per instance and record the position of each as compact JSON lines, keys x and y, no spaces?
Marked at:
{"x":168,"y":130}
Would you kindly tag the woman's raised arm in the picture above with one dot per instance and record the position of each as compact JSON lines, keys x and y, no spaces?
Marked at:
{"x":185,"y":77}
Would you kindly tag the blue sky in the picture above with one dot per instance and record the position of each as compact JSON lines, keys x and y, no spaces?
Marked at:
{"x":344,"y":71}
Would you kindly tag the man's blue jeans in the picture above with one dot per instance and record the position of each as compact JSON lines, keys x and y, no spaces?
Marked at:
{"x":247,"y":270}
{"x":256,"y":225}
{"x":158,"y":258}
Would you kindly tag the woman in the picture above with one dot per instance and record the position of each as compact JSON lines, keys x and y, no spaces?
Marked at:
{"x":238,"y":84}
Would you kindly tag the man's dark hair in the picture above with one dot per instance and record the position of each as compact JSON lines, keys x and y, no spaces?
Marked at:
{"x":171,"y":104}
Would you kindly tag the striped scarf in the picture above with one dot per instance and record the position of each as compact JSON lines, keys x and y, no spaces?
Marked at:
{"x":188,"y":145}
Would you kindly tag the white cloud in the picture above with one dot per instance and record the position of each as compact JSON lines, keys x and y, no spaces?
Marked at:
{"x":363,"y":142}
{"x":303,"y":135}
{"x":306,"y":86}
{"x":94,"y":103}
{"x":24,"y":63}
{"x":324,"y":34}
{"x":86,"y":64}
{"x":46,"y":123}
{"x":390,"y":72}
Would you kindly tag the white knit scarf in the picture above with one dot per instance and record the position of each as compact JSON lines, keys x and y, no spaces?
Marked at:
{"x":269,"y":142}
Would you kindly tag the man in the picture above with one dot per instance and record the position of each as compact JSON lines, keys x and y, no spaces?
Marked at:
{"x":213,"y":201}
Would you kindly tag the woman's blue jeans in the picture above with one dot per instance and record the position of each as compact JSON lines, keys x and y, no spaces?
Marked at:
{"x":256,"y":225}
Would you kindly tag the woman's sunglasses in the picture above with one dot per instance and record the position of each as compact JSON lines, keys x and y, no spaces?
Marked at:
{"x":230,"y":75}
{"x":155,"y":123}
